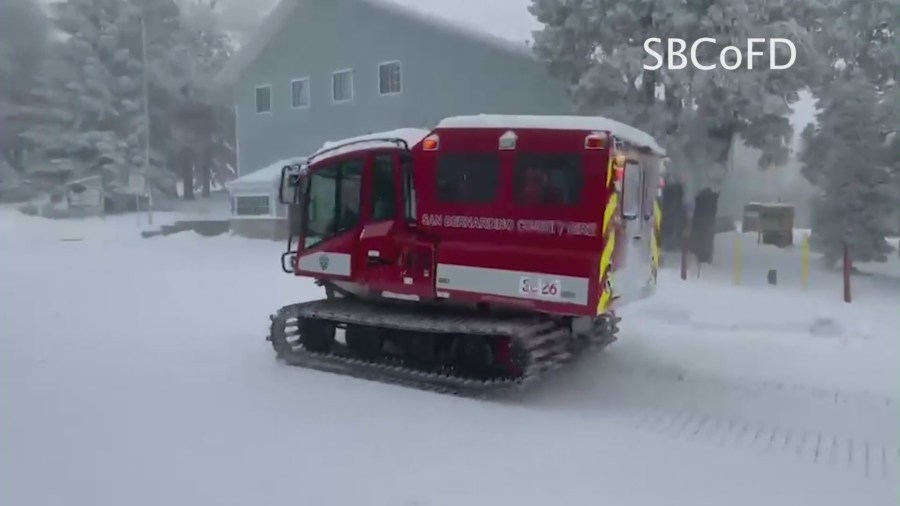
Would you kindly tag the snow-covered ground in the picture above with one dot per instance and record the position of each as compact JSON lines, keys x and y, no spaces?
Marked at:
{"x":134,"y":372}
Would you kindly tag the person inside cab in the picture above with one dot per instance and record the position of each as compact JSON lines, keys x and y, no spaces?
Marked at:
{"x":539,"y":190}
{"x":348,"y":214}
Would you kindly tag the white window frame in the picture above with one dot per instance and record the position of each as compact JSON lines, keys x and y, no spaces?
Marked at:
{"x":352,"y":86}
{"x":269,"y":214}
{"x":308,"y":93}
{"x":256,"y":101}
{"x":378,"y":79}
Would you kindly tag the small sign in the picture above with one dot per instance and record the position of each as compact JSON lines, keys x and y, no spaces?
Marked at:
{"x":137,"y":184}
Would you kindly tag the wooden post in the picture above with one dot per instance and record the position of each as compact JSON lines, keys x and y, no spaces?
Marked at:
{"x":804,"y":272}
{"x":684,"y":251}
{"x":737,"y":259}
{"x":847,"y":265}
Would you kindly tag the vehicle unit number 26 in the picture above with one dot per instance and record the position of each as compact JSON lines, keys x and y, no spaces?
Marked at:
{"x":539,"y":288}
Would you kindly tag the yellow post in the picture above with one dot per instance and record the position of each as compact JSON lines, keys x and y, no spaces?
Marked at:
{"x":804,"y":273}
{"x":737,"y":259}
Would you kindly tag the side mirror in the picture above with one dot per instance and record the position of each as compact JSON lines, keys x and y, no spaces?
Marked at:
{"x":290,"y":183}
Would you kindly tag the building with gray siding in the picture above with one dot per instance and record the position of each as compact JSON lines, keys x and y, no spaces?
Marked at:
{"x":321,"y":70}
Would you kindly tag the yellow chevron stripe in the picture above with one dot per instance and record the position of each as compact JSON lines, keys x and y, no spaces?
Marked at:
{"x":657,"y":215}
{"x":606,"y":257}
{"x":654,"y":237}
{"x":609,"y":171}
{"x":605,"y":263}
{"x":610,"y":211}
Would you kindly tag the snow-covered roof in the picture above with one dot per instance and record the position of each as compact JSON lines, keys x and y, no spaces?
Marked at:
{"x":505,"y":24}
{"x":268,"y":175}
{"x":411,"y":136}
{"x":590,"y":123}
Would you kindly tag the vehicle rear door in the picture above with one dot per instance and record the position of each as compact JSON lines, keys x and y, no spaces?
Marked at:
{"x":633,"y":269}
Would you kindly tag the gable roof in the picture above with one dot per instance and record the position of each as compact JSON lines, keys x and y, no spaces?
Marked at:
{"x":504,"y":24}
{"x":265,"y":178}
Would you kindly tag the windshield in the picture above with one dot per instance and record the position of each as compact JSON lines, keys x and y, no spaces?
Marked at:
{"x":333,"y":203}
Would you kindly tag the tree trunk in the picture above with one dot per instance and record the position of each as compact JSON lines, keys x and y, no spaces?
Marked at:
{"x":205,"y":170}
{"x":187,"y":177}
{"x":674,"y":217}
{"x":703,"y":227}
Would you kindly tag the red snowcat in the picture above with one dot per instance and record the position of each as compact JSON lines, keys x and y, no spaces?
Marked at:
{"x":473,"y":257}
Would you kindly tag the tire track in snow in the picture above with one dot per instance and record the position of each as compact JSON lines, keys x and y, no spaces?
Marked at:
{"x":831,"y":429}
{"x":752,"y":386}
{"x":864,"y":458}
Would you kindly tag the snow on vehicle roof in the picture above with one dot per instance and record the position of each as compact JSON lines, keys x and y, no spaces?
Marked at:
{"x":268,"y":174}
{"x":598,"y":123}
{"x":411,"y":136}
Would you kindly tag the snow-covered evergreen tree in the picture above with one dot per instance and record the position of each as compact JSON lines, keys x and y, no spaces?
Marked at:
{"x":847,"y":159}
{"x":597,"y":47}
{"x":200,"y":121}
{"x":85,"y":117}
{"x":24,"y":34}
{"x":859,"y":201}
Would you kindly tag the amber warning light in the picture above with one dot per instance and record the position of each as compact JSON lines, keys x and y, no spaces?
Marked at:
{"x":596,"y":140}
{"x":430,"y":143}
{"x":618,"y":171}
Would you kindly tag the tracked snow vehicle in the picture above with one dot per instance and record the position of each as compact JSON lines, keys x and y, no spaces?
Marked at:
{"x":473,"y":257}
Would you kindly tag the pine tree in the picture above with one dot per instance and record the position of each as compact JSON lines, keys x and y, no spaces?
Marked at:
{"x":24,"y":35}
{"x":85,"y":114}
{"x":846,"y":157}
{"x":597,"y":47}
{"x":201,"y":120}
{"x":858,"y":98}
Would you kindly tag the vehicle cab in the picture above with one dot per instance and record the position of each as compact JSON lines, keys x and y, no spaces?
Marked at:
{"x":352,"y":215}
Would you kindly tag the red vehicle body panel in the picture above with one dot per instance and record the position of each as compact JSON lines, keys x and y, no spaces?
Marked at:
{"x":545,"y":259}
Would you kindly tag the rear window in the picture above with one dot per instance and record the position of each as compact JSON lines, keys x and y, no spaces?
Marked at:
{"x":548,"y":179}
{"x":468,"y":178}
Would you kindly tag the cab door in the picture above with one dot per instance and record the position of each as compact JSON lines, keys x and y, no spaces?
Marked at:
{"x":397,"y":262}
{"x":331,"y":221}
{"x":379,"y":248}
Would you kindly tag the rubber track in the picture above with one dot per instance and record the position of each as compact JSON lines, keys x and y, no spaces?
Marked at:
{"x":547,"y":345}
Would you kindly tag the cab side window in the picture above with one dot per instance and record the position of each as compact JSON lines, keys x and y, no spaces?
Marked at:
{"x":349,"y":195}
{"x":409,"y":190}
{"x":548,"y":179}
{"x":384,"y":192}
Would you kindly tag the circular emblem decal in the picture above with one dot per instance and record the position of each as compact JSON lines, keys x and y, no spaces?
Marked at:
{"x":323,"y":262}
